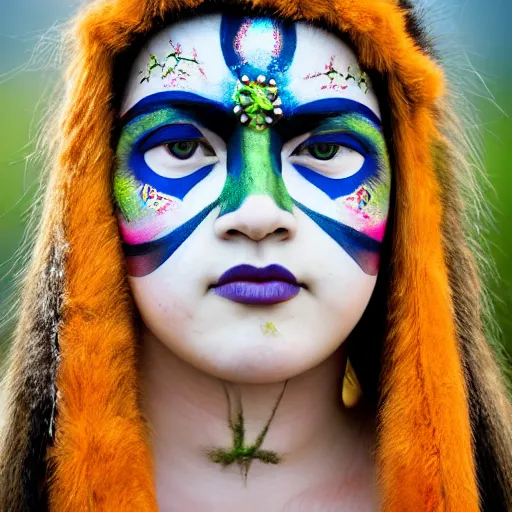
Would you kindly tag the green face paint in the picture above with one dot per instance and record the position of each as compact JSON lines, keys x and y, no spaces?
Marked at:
{"x":254,"y":168}
{"x":129,"y":181}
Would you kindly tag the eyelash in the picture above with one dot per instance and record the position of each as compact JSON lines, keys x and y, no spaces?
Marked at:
{"x":168,"y":134}
{"x":333,"y":141}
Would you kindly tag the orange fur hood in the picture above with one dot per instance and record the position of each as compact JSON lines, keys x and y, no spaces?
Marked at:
{"x":75,"y":438}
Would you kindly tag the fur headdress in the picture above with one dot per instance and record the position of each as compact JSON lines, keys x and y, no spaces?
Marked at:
{"x":75,"y":438}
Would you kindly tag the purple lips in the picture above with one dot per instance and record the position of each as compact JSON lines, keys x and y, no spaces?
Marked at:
{"x":251,"y":285}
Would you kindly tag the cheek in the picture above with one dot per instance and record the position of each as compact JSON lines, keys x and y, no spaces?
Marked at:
{"x":168,"y":306}
{"x":365,"y":210}
{"x":335,"y":278}
{"x":306,"y":193}
{"x":146,"y":214}
{"x":169,"y":299}
{"x":161,"y":302}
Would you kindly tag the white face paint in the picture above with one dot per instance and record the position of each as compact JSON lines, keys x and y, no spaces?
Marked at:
{"x":253,"y":191}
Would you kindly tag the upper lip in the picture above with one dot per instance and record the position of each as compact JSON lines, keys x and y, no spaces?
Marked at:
{"x":257,"y":275}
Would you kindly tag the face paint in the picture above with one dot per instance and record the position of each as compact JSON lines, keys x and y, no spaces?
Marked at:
{"x":258,"y":46}
{"x":145,"y":197}
{"x":270,"y":329}
{"x":256,"y":81}
{"x":363,"y":196}
{"x":254,"y":167}
{"x":174,"y":66}
{"x":337,"y":81}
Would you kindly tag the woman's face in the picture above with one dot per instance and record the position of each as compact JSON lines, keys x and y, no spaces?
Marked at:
{"x":252,"y":185}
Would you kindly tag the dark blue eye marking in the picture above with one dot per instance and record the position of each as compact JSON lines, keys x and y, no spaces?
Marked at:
{"x":187,"y":106}
{"x":361,"y":248}
{"x":336,"y":106}
{"x":338,"y":187}
{"x":343,"y":139}
{"x":328,"y":117}
{"x":176,"y":187}
{"x":170,"y":133}
{"x":142,"y":259}
{"x":193,"y":104}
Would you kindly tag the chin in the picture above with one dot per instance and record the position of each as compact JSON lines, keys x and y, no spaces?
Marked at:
{"x":257,"y":354}
{"x":251,"y":344}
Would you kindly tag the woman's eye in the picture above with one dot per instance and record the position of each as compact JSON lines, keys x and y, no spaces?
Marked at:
{"x":323,"y":151}
{"x":330,"y":158}
{"x":178,"y":158}
{"x":182,"y":149}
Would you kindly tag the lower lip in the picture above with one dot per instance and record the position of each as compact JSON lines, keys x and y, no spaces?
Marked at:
{"x":265,"y":293}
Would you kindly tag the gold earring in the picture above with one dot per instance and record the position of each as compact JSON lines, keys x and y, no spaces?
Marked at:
{"x":351,"y":392}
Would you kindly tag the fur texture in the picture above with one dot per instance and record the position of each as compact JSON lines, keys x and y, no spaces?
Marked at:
{"x":490,"y":410}
{"x":30,"y":384}
{"x":440,"y":389}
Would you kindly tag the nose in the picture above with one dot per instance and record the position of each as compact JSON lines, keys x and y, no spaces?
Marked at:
{"x":257,"y":217}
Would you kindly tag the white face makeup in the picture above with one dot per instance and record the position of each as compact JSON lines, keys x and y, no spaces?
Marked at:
{"x":253,"y":185}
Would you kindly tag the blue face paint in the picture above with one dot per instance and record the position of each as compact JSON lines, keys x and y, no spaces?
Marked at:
{"x":142,"y":259}
{"x":351,"y":125}
{"x":176,"y":187}
{"x":365,"y":251}
{"x":338,"y":187}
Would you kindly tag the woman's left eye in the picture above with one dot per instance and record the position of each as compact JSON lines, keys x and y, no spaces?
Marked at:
{"x":182,"y":149}
{"x":323,"y":151}
{"x":329,"y":157}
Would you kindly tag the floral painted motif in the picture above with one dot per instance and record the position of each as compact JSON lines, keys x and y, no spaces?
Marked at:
{"x":339,"y":81}
{"x":359,"y":200}
{"x":156,"y":201}
{"x":367,"y":208}
{"x":175,"y":67}
{"x":137,"y":200}
{"x":240,"y":37}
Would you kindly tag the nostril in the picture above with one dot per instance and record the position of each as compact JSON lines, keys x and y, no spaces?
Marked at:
{"x":257,"y":217}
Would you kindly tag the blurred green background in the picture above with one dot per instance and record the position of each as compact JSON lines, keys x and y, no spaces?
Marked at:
{"x":474,"y":36}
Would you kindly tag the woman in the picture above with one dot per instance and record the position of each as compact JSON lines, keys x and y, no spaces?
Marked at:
{"x":258,"y":172}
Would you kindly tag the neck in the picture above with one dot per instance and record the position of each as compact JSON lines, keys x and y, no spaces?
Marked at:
{"x":223,"y":435}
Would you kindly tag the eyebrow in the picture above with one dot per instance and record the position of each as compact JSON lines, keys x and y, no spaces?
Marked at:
{"x":308,"y":116}
{"x":212,"y":114}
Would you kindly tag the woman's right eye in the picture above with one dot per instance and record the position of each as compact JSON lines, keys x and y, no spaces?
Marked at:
{"x":186,"y":149}
{"x":179,"y":158}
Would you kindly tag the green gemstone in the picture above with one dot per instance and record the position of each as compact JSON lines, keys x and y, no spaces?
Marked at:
{"x":245,"y":100}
